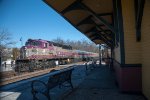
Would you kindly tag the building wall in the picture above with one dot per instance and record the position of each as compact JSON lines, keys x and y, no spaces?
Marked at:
{"x":137,"y":52}
{"x":128,"y":74}
{"x":145,"y":39}
{"x":132,"y":47}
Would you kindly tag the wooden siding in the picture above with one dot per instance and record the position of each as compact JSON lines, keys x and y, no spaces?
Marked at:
{"x":132,"y":48}
{"x":146,"y":50}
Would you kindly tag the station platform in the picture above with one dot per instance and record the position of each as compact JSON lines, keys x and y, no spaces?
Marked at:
{"x":100,"y":84}
{"x":95,"y":84}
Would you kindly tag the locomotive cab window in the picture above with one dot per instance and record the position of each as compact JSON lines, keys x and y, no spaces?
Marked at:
{"x":45,"y":45}
{"x":50,"y":44}
{"x":36,"y":43}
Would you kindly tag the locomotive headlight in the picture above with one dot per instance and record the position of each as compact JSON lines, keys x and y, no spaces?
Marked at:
{"x":44,"y":51}
{"x":68,"y":60}
{"x":36,"y":51}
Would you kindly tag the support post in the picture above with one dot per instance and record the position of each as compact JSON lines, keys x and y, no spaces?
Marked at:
{"x":0,"y":62}
{"x":111,"y":58}
{"x":99,"y":54}
{"x":120,"y":29}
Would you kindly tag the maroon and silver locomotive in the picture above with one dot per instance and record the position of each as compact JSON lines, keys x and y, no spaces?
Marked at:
{"x":40,"y":54}
{"x":42,"y":49}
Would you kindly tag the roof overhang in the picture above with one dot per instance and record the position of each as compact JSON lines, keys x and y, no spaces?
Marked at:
{"x":93,"y":18}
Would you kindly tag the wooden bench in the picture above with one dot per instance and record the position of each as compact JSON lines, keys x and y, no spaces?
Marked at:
{"x":57,"y":78}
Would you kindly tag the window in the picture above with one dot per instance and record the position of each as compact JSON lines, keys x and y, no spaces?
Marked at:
{"x":45,"y":45}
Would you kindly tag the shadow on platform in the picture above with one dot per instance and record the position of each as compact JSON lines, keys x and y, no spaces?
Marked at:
{"x":97,"y":84}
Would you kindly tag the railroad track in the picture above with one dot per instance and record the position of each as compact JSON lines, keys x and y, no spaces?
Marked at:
{"x":25,"y":76}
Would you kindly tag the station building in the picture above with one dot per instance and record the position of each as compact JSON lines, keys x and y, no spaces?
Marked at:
{"x":124,"y":26}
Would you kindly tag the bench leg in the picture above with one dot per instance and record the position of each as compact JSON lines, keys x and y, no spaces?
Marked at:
{"x":70,"y":84}
{"x":48,"y":96}
{"x":60,"y":86}
{"x":34,"y":97}
{"x":34,"y":94}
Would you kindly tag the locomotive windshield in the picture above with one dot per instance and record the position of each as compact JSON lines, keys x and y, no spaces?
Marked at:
{"x":35,"y":43}
{"x":32,"y":43}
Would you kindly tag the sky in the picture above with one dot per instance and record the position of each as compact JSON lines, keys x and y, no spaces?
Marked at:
{"x":36,"y":20}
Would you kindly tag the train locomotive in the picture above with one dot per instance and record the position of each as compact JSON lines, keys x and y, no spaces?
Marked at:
{"x":42,"y":49}
{"x":38,"y":52}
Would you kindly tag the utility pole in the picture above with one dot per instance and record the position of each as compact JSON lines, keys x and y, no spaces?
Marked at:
{"x":22,"y":53}
{"x":0,"y":60}
{"x":1,"y":55}
{"x":21,"y":41}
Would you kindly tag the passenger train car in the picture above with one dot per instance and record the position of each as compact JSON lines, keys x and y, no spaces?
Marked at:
{"x":40,"y":54}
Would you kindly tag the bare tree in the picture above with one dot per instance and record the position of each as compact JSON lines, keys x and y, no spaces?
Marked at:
{"x":5,"y":42}
{"x":59,"y":40}
{"x":79,"y":45}
{"x":15,"y":53}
